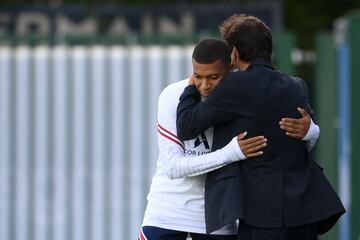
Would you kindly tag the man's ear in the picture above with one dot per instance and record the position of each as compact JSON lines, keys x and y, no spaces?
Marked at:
{"x":234,"y":57}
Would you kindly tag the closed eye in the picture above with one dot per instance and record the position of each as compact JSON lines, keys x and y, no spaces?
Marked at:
{"x":215,"y":77}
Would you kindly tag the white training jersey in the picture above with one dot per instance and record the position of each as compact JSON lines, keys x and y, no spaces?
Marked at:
{"x":176,"y":196}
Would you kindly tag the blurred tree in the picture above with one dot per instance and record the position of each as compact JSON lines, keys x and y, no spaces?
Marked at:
{"x":305,"y":17}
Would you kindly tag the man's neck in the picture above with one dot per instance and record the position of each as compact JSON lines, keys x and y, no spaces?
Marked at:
{"x":243,"y":65}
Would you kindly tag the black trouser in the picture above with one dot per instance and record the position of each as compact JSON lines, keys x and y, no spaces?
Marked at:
{"x":155,"y":233}
{"x":305,"y":232}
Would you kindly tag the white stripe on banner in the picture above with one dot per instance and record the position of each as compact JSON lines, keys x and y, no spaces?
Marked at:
{"x":41,"y":75}
{"x":60,"y":113}
{"x":156,"y":59}
{"x":137,"y":142}
{"x":117,"y":191}
{"x":5,"y":131}
{"x":188,"y":59}
{"x":175,"y":65}
{"x":23,"y":74}
{"x":98,"y":88}
{"x":79,"y":81}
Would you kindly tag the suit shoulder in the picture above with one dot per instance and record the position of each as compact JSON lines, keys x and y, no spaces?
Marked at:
{"x":298,"y":81}
{"x":240,"y":79}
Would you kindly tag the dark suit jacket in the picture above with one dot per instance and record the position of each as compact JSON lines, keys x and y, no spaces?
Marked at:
{"x":281,"y":188}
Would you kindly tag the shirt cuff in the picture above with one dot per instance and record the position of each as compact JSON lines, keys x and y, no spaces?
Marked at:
{"x":312,"y":132}
{"x":235,"y":148}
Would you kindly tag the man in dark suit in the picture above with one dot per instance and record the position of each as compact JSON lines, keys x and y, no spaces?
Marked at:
{"x":282,"y":194}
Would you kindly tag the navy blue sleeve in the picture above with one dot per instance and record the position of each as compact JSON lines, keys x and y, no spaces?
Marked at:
{"x":307,"y":106}
{"x":194,"y":116}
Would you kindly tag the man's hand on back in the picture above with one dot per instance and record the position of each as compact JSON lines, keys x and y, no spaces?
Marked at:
{"x":251,"y":146}
{"x":296,"y":127}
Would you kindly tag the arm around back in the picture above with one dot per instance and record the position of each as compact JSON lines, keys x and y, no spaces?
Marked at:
{"x":195,"y":116}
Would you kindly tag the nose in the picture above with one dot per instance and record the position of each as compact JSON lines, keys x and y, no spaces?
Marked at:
{"x":205,"y":85}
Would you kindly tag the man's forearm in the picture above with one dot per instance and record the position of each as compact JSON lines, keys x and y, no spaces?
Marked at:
{"x":188,"y":101}
{"x":180,"y":165}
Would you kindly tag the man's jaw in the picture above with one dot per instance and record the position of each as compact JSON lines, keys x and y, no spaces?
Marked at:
{"x":205,"y":93}
{"x":204,"y":96}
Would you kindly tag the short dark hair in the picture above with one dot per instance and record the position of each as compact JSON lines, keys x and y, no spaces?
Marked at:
{"x":209,"y":50}
{"x":251,"y":36}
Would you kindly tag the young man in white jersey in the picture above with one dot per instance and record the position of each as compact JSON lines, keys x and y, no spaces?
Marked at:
{"x":176,"y":198}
